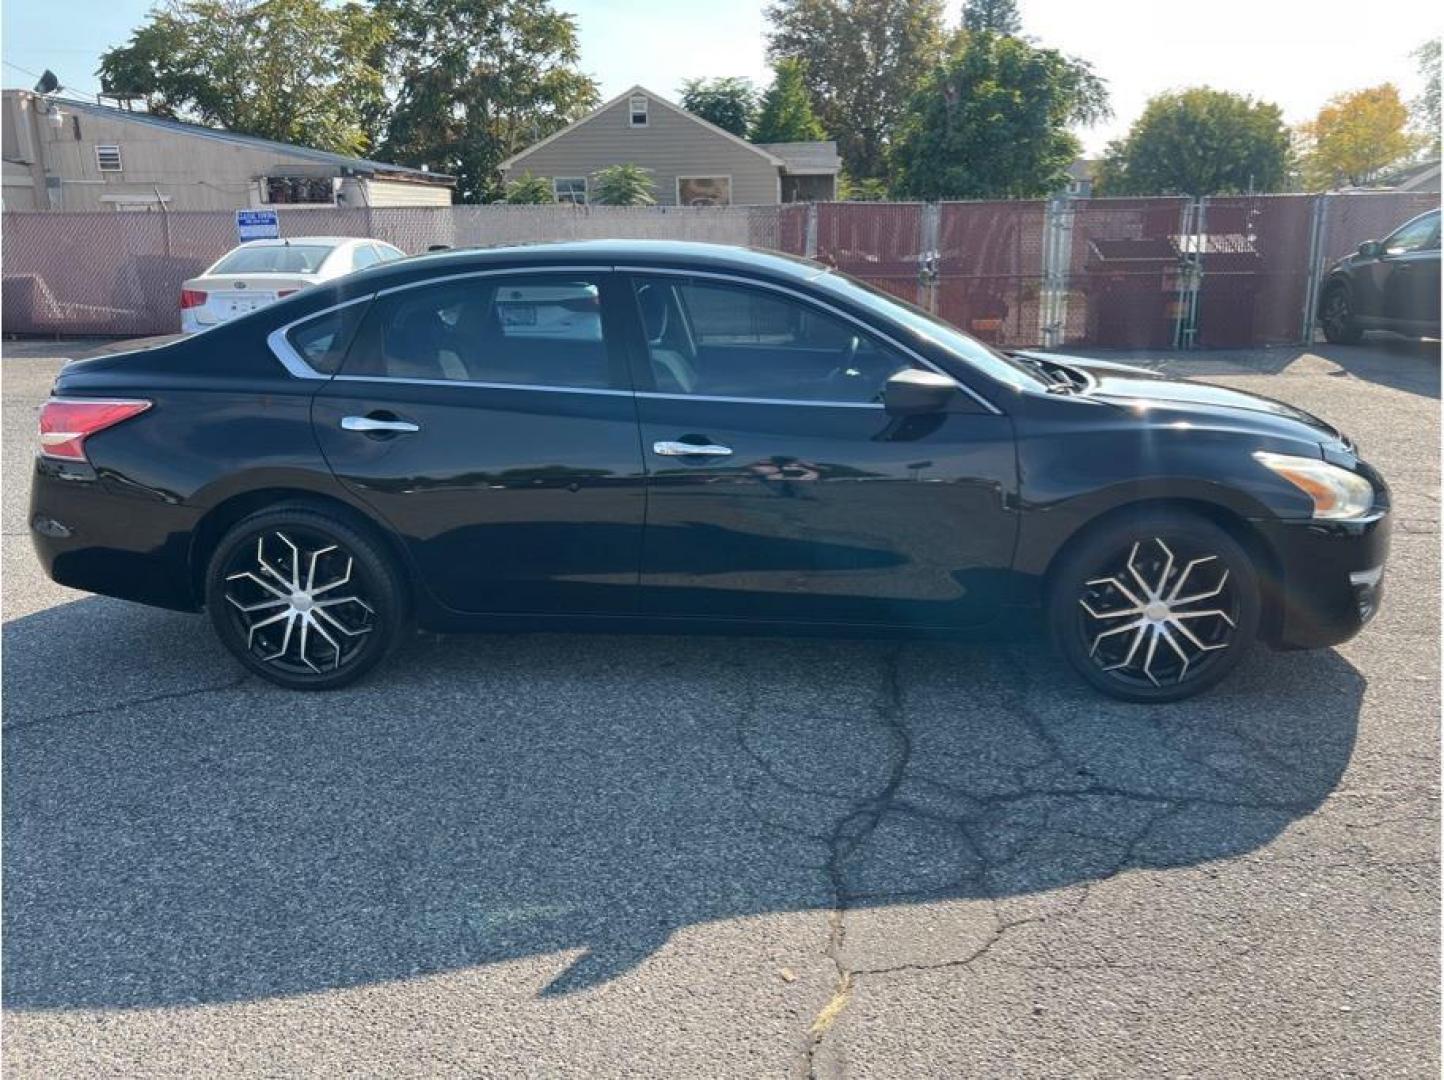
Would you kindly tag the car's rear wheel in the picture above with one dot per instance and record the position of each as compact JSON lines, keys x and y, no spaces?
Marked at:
{"x":305,"y":599}
{"x":1154,"y":608}
{"x":1336,"y":316}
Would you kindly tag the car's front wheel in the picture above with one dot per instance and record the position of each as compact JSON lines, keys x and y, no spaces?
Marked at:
{"x":1336,"y":316}
{"x":305,"y":599}
{"x":1154,"y":608}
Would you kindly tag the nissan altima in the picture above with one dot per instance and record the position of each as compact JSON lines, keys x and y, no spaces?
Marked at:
{"x":675,"y":435}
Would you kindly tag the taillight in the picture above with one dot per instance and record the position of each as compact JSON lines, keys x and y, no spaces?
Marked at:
{"x":65,"y":423}
{"x":192,"y":298}
{"x":281,"y":294}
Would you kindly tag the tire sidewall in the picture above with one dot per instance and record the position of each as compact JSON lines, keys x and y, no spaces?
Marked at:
{"x":1082,"y":562}
{"x":386,"y":586}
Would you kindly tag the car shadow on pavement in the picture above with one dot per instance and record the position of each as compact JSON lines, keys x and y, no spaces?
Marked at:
{"x":177,"y":833}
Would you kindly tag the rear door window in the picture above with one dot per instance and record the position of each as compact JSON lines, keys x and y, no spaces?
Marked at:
{"x":527,"y":330}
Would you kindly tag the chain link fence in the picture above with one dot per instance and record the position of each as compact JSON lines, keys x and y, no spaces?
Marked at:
{"x":1118,"y":273}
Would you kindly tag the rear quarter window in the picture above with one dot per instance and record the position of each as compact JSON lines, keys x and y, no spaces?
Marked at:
{"x":322,"y":342}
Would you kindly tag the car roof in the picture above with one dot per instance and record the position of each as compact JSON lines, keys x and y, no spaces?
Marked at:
{"x":663,"y":253}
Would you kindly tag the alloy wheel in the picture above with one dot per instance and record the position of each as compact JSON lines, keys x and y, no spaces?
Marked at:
{"x":1158,"y":614}
{"x":299,"y":602}
{"x":1336,"y":313}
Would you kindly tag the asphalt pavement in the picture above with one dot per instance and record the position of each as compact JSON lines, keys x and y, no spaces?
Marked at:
{"x":566,"y":855}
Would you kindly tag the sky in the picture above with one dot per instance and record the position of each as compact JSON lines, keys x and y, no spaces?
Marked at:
{"x":1296,"y":53}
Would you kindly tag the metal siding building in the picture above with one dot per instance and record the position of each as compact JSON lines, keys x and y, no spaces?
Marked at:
{"x":63,"y":155}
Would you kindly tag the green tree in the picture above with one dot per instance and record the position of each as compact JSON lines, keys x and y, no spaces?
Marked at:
{"x":478,"y":80}
{"x":1199,"y":142}
{"x":527,"y":189}
{"x":862,"y":60}
{"x":729,"y":103}
{"x":873,"y":189}
{"x":992,"y":121}
{"x":1355,"y":137}
{"x":622,"y":185}
{"x":300,"y":71}
{"x":786,"y":114}
{"x":992,"y":17}
{"x":1425,"y":107}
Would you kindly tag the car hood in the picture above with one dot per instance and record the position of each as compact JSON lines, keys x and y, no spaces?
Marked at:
{"x":1125,"y":384}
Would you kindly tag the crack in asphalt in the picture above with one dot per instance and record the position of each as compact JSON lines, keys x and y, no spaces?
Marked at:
{"x":127,"y":703}
{"x":846,"y":837}
{"x":1048,"y":772}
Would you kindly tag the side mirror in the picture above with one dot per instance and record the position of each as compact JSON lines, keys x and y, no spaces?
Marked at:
{"x":1371,"y":249}
{"x":912,"y":391}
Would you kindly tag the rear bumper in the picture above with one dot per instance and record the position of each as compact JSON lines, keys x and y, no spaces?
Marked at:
{"x":1332,"y":579}
{"x":95,"y":534}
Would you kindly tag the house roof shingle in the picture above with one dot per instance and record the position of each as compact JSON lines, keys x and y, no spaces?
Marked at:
{"x":802,"y":158}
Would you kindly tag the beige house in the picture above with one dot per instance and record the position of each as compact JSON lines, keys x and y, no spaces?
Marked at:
{"x":692,"y":162}
{"x":74,"y":155}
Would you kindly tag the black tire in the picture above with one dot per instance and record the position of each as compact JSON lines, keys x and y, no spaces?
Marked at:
{"x":1179,"y":556}
{"x":352,"y":620}
{"x":1336,"y":316}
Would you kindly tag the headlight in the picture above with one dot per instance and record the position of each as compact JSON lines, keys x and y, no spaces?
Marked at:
{"x":1337,"y":493}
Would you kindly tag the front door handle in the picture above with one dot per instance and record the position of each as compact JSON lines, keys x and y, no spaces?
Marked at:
{"x":375,"y":423}
{"x":686,"y":449}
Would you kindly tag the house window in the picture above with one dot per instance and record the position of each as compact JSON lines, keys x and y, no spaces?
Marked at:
{"x":570,"y":190}
{"x":637,"y":110}
{"x":704,"y":191}
{"x":107,"y":158}
{"x":316,"y":190}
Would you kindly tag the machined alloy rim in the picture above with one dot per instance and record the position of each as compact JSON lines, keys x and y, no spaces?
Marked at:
{"x":1156,"y":616}
{"x":300,"y":607}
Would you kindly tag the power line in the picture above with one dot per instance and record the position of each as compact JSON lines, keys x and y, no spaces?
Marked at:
{"x":37,"y":75}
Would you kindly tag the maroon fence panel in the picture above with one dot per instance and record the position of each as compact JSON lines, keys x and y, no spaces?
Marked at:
{"x":878,"y":242}
{"x":1255,"y":258}
{"x":1120,"y":273}
{"x":791,"y":235}
{"x":990,"y":269}
{"x":1123,"y":285}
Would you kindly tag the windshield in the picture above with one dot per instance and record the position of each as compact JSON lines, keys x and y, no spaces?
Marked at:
{"x":274,"y":259}
{"x":970,"y":350}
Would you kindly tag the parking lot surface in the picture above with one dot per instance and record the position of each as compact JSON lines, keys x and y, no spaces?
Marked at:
{"x":668,"y":856}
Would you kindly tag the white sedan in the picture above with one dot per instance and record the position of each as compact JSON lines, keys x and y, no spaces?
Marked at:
{"x":261,"y":272}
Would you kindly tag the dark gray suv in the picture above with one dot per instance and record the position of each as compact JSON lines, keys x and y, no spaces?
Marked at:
{"x":1389,"y":284}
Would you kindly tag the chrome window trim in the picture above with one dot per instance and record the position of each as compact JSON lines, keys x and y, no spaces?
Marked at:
{"x":290,"y":359}
{"x":808,"y":299}
{"x":607,"y":392}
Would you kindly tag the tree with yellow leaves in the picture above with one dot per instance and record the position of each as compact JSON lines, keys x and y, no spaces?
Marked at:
{"x":1354,"y":137}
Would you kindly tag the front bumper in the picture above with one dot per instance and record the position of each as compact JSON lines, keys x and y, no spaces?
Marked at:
{"x":1329,"y":581}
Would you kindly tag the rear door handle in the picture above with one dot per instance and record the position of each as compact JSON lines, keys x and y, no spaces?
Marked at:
{"x":372,"y":423}
{"x":685,"y":449}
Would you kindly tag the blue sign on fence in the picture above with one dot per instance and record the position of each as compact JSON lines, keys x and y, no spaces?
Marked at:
{"x":258,"y":225}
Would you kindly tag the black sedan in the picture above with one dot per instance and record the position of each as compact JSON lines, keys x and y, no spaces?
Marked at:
{"x":1389,"y":284}
{"x":680,"y":435}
